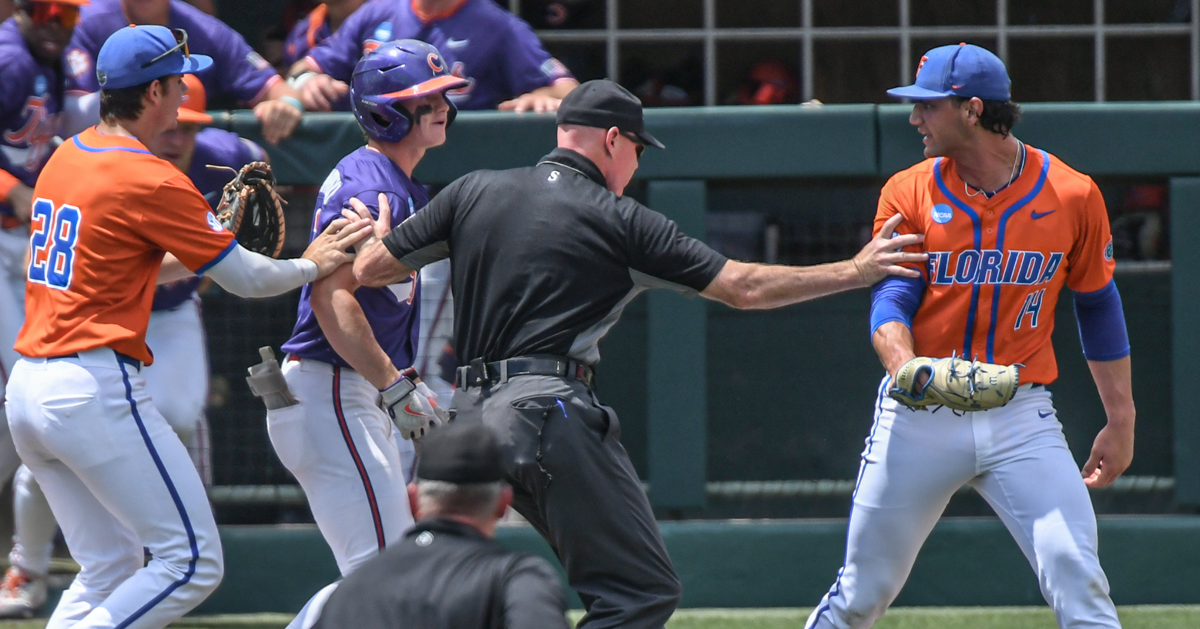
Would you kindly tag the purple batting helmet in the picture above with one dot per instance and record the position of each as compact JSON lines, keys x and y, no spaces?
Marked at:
{"x":393,"y":72}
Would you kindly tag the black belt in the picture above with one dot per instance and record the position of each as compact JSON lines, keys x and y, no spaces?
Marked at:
{"x":479,"y":373}
{"x":121,"y":358}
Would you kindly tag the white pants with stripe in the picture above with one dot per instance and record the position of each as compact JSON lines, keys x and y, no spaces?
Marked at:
{"x":118,"y":479}
{"x":346,"y":455}
{"x":177,"y":382}
{"x":1017,"y":458}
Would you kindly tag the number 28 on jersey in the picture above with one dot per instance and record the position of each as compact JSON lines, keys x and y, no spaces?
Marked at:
{"x":54,"y":232}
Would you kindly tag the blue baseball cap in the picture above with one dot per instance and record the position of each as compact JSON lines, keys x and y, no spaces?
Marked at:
{"x":139,"y":54}
{"x":964,"y":70}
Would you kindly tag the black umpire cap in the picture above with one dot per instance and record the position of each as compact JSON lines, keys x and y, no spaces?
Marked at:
{"x":604,"y":104}
{"x":461,"y":453}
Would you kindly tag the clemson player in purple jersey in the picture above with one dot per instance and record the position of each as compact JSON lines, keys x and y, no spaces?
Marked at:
{"x":237,"y":70}
{"x":353,"y":345}
{"x":504,"y":63}
{"x":320,"y":23}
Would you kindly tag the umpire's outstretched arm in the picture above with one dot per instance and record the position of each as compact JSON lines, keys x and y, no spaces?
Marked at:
{"x":759,"y":286}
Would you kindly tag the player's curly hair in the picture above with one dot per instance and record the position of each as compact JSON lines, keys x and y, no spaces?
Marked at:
{"x":998,"y":116}
{"x":124,"y":103}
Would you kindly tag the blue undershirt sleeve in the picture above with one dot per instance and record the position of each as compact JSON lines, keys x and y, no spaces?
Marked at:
{"x":1102,"y":324}
{"x":896,"y":299}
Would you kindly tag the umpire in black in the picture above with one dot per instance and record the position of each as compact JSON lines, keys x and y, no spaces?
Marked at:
{"x":447,"y":573}
{"x":544,"y":259}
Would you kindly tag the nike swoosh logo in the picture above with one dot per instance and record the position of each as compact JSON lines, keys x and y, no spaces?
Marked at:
{"x":456,"y":43}
{"x":1045,"y":414}
{"x":409,"y":409}
{"x":1034,"y":214}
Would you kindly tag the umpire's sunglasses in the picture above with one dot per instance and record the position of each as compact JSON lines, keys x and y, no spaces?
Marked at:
{"x":41,"y":13}
{"x":639,"y":148}
{"x":180,"y":44}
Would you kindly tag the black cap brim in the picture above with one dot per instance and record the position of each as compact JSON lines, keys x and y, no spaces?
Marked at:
{"x":649,"y":140}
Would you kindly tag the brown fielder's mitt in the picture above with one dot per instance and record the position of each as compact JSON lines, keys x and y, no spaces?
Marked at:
{"x":253,"y":211}
{"x":962,"y":385}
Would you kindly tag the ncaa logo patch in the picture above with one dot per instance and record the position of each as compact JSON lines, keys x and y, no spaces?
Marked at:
{"x":383,"y":32}
{"x":214,"y":224}
{"x":39,"y":85}
{"x":941,"y":213}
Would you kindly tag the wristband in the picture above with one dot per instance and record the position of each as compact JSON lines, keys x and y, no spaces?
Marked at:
{"x":293,"y":101}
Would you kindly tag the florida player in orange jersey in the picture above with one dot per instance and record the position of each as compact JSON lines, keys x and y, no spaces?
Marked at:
{"x":105,"y":213}
{"x":1006,"y":226}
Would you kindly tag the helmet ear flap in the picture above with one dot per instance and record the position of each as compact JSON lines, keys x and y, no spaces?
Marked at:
{"x":405,"y":124}
{"x":453,"y":113}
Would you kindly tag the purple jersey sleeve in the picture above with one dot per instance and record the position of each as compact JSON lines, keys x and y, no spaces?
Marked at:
{"x":237,"y":69}
{"x":29,"y":109}
{"x":79,"y":58}
{"x":527,"y":65}
{"x":304,"y":37}
{"x":338,"y":55}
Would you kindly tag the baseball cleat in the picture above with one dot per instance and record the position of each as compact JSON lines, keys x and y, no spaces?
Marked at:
{"x":21,"y":594}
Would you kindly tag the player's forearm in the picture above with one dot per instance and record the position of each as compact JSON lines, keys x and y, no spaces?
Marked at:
{"x":172,"y":270}
{"x":280,"y":89}
{"x":376,"y":266}
{"x":349,"y":333}
{"x":558,"y":89}
{"x":760,"y":286}
{"x":1114,"y":381}
{"x":894,"y":344}
{"x":248,"y":274}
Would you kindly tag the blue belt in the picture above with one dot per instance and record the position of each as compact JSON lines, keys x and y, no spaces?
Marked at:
{"x":121,"y":358}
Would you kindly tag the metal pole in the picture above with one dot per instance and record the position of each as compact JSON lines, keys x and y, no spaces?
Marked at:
{"x":905,"y":42}
{"x":1195,"y":24}
{"x":710,"y":52}
{"x":806,"y":46}
{"x":611,"y":52}
{"x":1098,"y":10}
{"x":1002,"y":30}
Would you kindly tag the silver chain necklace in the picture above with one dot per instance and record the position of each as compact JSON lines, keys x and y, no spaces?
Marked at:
{"x":1012,"y":176}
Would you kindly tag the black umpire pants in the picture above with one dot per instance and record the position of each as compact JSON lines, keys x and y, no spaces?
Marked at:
{"x":573,"y":481}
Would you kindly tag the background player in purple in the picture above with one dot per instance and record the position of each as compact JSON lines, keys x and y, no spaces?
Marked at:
{"x":504,"y":63}
{"x":353,"y":345}
{"x":316,"y":27}
{"x":178,"y":379}
{"x":237,"y":69}
{"x":31,"y":87}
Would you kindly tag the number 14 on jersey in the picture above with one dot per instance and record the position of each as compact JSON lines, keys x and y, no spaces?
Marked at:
{"x":54,"y":232}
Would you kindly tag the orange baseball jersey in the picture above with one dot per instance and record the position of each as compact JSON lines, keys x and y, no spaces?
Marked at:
{"x":996,"y":266}
{"x":106,"y":211}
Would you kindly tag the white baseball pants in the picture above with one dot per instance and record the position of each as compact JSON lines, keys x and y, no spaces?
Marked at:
{"x":177,"y":382}
{"x":1017,"y":458}
{"x":118,"y":479}
{"x":344,"y":451}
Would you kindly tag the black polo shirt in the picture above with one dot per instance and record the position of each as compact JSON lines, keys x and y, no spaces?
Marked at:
{"x":544,"y":259}
{"x":447,"y":575}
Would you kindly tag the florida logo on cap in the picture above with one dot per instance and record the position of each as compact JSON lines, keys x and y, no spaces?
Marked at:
{"x":921,"y":65}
